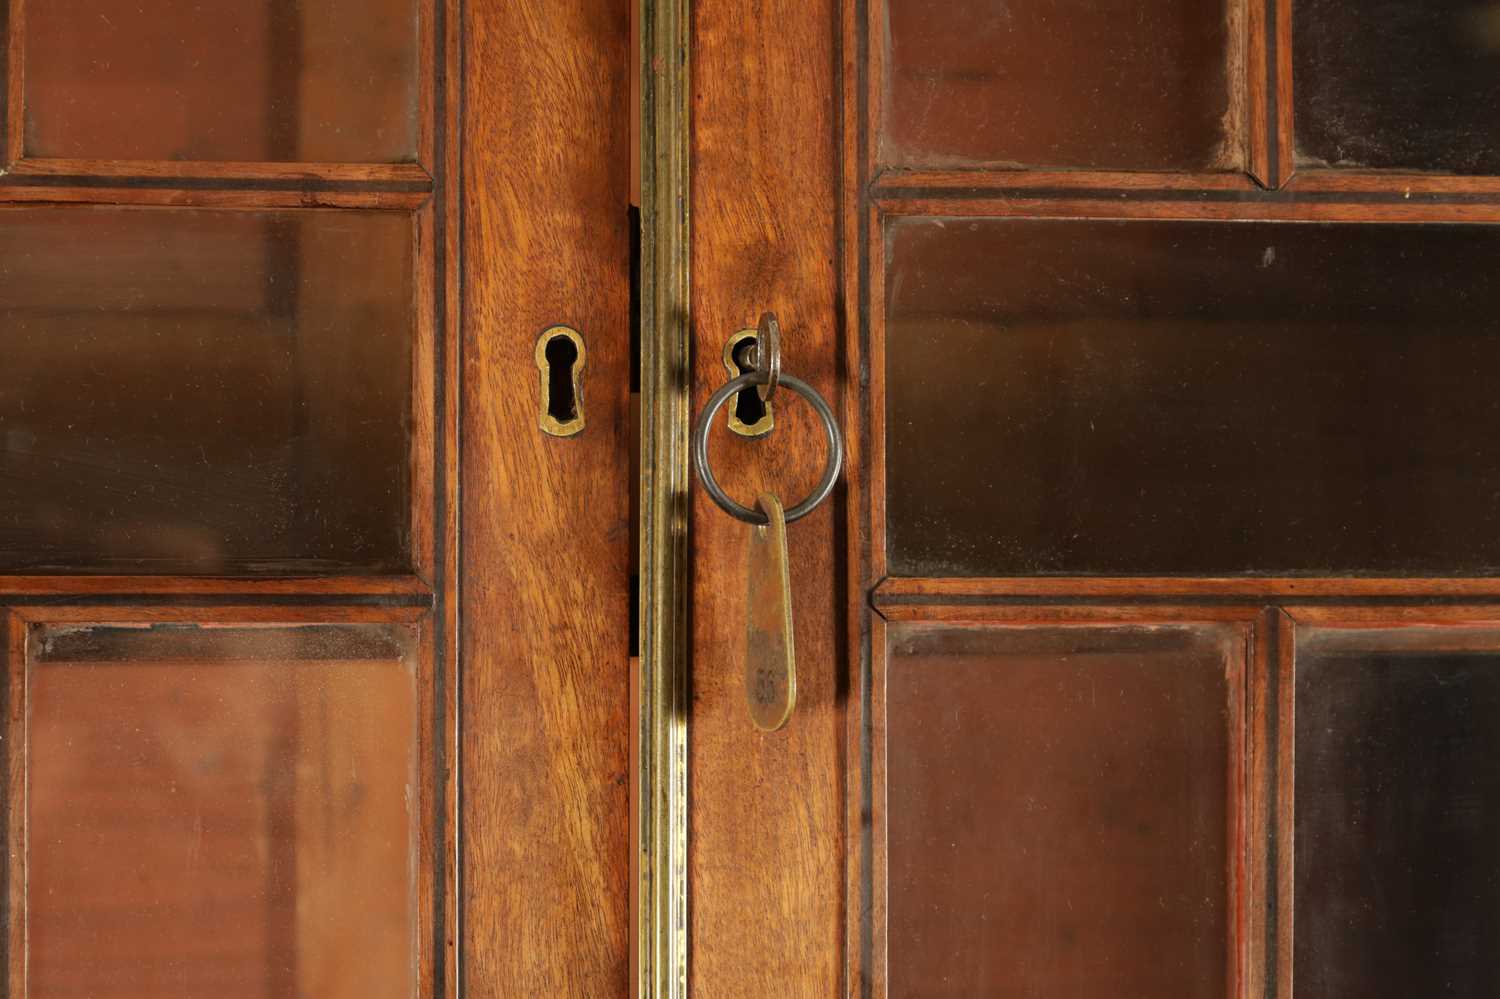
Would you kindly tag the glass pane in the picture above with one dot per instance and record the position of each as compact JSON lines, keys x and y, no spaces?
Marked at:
{"x":1058,"y":811}
{"x":332,"y":81}
{"x":222,"y":812}
{"x":1107,"y":84}
{"x":1397,"y":814}
{"x":1409,"y":84}
{"x":204,"y":391}
{"x":1191,"y":398}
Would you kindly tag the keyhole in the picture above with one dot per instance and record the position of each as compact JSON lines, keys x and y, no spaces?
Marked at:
{"x":559,"y":361}
{"x":748,"y":416}
{"x":561,"y":354}
{"x":749,"y":409}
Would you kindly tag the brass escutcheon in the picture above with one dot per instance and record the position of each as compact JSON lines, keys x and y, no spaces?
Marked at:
{"x":738,"y":354}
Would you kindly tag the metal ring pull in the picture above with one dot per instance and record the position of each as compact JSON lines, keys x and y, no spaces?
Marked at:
{"x":831,"y":470}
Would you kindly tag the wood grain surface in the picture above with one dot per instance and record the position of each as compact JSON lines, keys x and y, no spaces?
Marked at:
{"x":545,"y":529}
{"x":767,"y":837}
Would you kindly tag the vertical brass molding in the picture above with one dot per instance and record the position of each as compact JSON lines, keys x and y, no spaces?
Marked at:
{"x":665,"y":428}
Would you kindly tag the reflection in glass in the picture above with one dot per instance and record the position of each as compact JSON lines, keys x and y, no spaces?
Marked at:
{"x":1106,"y":84}
{"x":1397,"y":813}
{"x":332,"y":81}
{"x":204,"y":391}
{"x":1075,"y":397}
{"x":1057,"y":805}
{"x":222,"y":812}
{"x":1409,"y":84}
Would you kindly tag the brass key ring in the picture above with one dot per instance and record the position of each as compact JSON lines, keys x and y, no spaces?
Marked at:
{"x":831,"y":470}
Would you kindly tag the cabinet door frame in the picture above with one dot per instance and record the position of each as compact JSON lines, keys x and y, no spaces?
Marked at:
{"x":492,"y":91}
{"x":749,"y":170}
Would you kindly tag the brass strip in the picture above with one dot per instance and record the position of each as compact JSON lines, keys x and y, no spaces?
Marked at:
{"x":665,"y":429}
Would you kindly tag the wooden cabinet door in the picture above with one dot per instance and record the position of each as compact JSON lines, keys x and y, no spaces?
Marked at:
{"x":1149,"y":647}
{"x":317,"y":630}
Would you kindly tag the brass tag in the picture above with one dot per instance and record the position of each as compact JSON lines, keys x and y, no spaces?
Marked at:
{"x":770,"y":660}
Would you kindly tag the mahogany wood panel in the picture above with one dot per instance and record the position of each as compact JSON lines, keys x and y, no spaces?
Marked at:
{"x":767,"y":830}
{"x":545,"y":535}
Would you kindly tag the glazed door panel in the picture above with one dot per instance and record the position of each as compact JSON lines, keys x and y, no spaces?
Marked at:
{"x":1395,"y":803}
{"x":220,"y":808}
{"x":246,"y":752}
{"x":1150,"y":632}
{"x":1063,"y":806}
{"x":219,"y":537}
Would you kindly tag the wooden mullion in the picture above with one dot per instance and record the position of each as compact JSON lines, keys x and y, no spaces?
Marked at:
{"x":1284,"y":154}
{"x":244,"y":174}
{"x":191,"y":197}
{"x":425,"y":416}
{"x":868,"y":768}
{"x":1257,"y":102}
{"x":894,"y":593}
{"x":965,"y":184}
{"x":862,"y":49}
{"x":244,"y":612}
{"x":1260,"y":763}
{"x":1279,"y":206}
{"x":406,"y":589}
{"x":434,"y":861}
{"x":1282,"y":827}
{"x":13,"y":868}
{"x":15,"y":83}
{"x":446,"y":79}
{"x":1393,"y":183}
{"x":1354,"y":194}
{"x":432,"y":50}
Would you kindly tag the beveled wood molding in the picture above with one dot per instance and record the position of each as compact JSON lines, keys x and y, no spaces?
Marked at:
{"x":292,"y":175}
{"x":661,"y":891}
{"x":905,"y":597}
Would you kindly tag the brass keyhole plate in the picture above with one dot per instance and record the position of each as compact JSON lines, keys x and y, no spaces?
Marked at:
{"x":748,"y":414}
{"x":560,"y":359}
